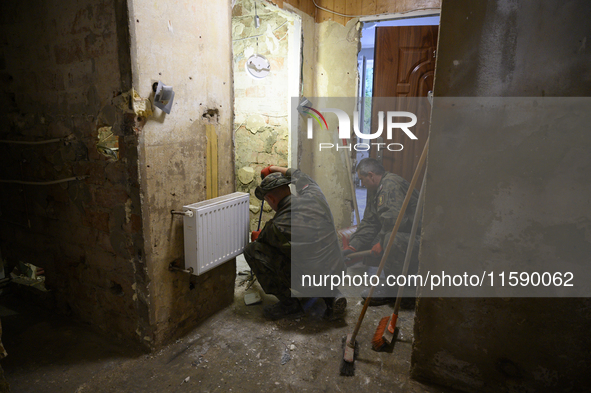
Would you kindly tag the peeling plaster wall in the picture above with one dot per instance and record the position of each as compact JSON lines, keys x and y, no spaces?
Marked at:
{"x":309,"y":48}
{"x":330,"y":48}
{"x":307,"y":84}
{"x":329,"y":69}
{"x":65,"y":71}
{"x":334,"y":73}
{"x":260,"y":105}
{"x":185,"y":45}
{"x":524,"y":190}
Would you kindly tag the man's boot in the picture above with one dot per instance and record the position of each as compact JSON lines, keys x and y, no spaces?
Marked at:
{"x":380,"y":296}
{"x":335,"y":306}
{"x":288,"y":307}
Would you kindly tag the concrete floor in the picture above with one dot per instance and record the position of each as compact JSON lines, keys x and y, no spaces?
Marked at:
{"x":235,"y":350}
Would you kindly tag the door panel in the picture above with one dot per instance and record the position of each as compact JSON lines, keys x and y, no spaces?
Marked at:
{"x":404,"y":65}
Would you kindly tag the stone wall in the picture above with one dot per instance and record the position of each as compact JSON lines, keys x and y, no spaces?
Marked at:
{"x":507,"y":191}
{"x":65,"y":72}
{"x":261,"y":106}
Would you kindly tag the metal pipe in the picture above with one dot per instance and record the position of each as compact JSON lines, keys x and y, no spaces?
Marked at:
{"x":188,"y":213}
{"x":261,"y":215}
{"x":44,"y":183}
{"x":173,"y":268}
{"x":67,"y":138}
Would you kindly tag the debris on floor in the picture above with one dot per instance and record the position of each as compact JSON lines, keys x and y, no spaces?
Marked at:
{"x":252,"y":296}
{"x":286,"y":357}
{"x":29,"y":274}
{"x":234,"y":350}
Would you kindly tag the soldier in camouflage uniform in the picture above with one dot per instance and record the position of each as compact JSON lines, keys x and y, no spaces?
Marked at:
{"x":300,"y":239}
{"x":385,"y":195}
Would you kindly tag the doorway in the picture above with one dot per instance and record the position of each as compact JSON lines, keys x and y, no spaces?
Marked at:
{"x":397,"y":59}
{"x":266,"y":44}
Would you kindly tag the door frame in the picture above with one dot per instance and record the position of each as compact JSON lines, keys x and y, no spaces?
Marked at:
{"x":414,"y":14}
{"x":402,"y":15}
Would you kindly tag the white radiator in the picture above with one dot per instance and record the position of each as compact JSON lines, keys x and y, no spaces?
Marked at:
{"x":216,"y":232}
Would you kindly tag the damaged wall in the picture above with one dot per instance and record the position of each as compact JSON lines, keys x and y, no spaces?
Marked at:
{"x":260,"y":105}
{"x":186,"y":46}
{"x":501,"y":192}
{"x":330,"y":70}
{"x":335,"y":75}
{"x":64,"y":67}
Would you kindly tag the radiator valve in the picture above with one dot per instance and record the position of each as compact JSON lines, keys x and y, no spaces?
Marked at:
{"x":188,"y":213}
{"x":174,"y":268}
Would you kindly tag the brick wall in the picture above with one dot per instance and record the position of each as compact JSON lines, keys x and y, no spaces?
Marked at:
{"x":65,"y":70}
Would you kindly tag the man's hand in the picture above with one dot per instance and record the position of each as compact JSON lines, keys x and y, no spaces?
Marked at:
{"x":266,"y":171}
{"x":376,"y":250}
{"x":346,"y":251}
{"x":272,"y":168}
{"x":255,"y":235}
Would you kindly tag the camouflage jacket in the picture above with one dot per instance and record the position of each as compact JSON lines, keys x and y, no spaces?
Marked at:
{"x":381,"y":212}
{"x":303,"y":230}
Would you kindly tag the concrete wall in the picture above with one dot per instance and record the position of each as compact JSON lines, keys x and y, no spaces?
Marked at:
{"x":524,"y":190}
{"x":330,"y":70}
{"x":184,"y":45}
{"x":64,"y":67}
{"x":335,"y":75}
{"x":261,"y":106}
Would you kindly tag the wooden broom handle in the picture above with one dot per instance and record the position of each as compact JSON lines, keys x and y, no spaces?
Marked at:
{"x":359,"y":254}
{"x":409,"y":248}
{"x":413,"y":183}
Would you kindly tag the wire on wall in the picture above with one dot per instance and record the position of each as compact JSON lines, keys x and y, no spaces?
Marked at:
{"x":359,"y":16}
{"x":44,"y":183}
{"x":260,"y":35}
{"x":64,"y":139}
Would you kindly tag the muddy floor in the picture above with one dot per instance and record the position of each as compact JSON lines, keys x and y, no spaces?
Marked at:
{"x":236,"y":350}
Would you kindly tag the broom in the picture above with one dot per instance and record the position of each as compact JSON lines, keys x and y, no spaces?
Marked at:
{"x":385,"y":338}
{"x":350,"y":344}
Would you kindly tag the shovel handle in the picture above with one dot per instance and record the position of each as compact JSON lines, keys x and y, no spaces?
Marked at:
{"x":261,"y":215}
{"x":359,"y":254}
{"x":413,"y":182}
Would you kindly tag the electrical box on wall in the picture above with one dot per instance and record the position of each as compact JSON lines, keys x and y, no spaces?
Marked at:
{"x":163,"y":97}
{"x":258,"y":66}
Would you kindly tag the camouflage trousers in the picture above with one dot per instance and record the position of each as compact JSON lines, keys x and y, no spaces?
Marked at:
{"x":273,"y":271}
{"x":395,"y":261}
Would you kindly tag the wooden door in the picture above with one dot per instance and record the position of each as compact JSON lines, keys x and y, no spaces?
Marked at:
{"x":404,"y":66}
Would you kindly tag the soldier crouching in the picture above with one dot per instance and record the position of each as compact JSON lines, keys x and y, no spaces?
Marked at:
{"x":300,"y":239}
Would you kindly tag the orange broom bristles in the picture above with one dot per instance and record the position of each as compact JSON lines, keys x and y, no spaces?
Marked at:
{"x":378,"y":342}
{"x":385,"y":333}
{"x":392,"y":324}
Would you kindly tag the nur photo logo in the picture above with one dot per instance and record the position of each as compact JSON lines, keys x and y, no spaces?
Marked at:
{"x":393,"y":122}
